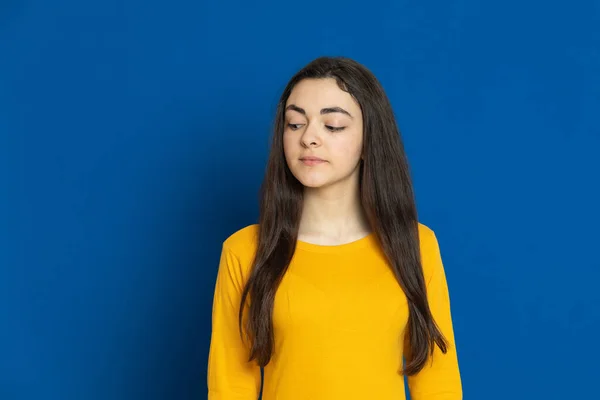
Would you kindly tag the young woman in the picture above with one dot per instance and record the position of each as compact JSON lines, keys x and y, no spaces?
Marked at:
{"x":338,"y":292}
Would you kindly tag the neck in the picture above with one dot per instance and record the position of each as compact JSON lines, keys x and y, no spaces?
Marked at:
{"x":332,"y":215}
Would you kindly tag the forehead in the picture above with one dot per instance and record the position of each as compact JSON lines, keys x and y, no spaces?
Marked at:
{"x":315,"y":94}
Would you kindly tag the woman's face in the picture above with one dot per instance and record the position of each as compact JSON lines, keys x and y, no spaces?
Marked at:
{"x":323,"y":134}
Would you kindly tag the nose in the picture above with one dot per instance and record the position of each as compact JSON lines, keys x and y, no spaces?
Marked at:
{"x":310,"y":136}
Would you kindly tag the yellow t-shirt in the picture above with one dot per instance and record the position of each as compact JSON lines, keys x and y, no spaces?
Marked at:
{"x":339,"y":325}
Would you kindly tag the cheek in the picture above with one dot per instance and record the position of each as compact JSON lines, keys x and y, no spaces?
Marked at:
{"x":349,"y":150}
{"x":288,"y":146}
{"x":286,"y":141}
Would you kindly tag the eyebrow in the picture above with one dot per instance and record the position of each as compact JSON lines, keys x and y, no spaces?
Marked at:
{"x":324,"y":111}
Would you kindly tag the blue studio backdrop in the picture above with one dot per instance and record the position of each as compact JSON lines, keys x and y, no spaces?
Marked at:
{"x":133,"y":140}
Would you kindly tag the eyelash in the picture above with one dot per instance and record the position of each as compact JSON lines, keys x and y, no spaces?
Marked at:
{"x":330,"y":128}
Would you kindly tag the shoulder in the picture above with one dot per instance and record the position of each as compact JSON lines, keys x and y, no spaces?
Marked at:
{"x":242,"y":243}
{"x":430,"y":251}
{"x":426,"y":235}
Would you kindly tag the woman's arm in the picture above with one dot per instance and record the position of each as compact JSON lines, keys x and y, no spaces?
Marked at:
{"x":440,"y":377}
{"x":230,"y":375}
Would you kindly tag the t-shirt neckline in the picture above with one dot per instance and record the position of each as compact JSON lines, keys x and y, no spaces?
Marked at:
{"x":336,"y":248}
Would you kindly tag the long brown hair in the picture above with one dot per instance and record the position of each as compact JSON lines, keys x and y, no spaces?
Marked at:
{"x":387,"y":197}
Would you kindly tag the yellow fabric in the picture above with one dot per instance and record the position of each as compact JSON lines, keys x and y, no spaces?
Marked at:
{"x":339,"y":325}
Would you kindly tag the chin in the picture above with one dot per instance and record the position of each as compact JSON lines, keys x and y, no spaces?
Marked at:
{"x":311,"y":181}
{"x":313,"y":185}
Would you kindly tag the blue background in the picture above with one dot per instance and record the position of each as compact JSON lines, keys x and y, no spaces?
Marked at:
{"x":133,"y":139}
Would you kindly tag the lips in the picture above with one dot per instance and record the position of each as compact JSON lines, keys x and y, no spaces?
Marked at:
{"x":312,"y":161}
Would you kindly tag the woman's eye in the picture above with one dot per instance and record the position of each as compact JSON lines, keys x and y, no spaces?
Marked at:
{"x":294,"y":126}
{"x":334,"y":128}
